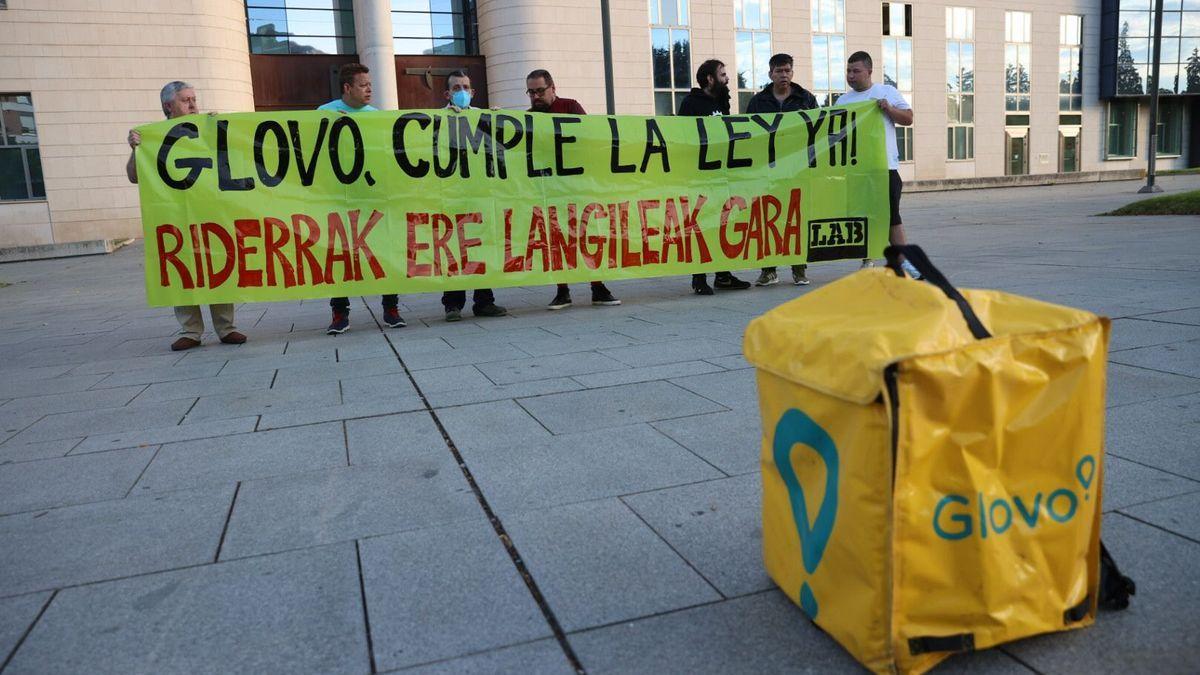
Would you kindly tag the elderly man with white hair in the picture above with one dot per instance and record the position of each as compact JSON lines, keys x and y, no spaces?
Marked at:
{"x":179,"y":99}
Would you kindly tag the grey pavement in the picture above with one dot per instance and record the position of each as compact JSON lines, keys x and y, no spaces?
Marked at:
{"x":540,"y":493}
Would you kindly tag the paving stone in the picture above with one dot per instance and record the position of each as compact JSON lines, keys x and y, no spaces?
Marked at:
{"x":162,"y":374}
{"x":134,"y":363}
{"x":647,"y":374}
{"x":761,"y":633}
{"x":208,"y":386}
{"x":1128,"y":483}
{"x":109,"y":420}
{"x":225,"y":460}
{"x":106,"y":540}
{"x":393,"y":438}
{"x":1158,"y":633}
{"x":1183,"y":316}
{"x":730,"y":441}
{"x":734,"y":362}
{"x":292,"y":612}
{"x":543,"y":657}
{"x":987,"y":662}
{"x":736,"y":389}
{"x":347,"y":411}
{"x":488,"y":424}
{"x":530,"y":474}
{"x":33,"y":373}
{"x":71,"y":402}
{"x":26,"y":486}
{"x":425,"y":605}
{"x":548,"y":345}
{"x":672,"y":352}
{"x":24,"y":452}
{"x":1133,"y":333}
{"x":266,"y":401}
{"x":145,"y":437}
{"x":1181,"y":358}
{"x":497,"y":392}
{"x":1173,"y":424}
{"x":1176,"y":514}
{"x":18,"y":387}
{"x":547,"y":367}
{"x":313,"y":374}
{"x":598,"y":563}
{"x":716,"y":526}
{"x":16,"y":617}
{"x":449,"y":379}
{"x":1131,"y":384}
{"x":615,"y":406}
{"x":460,"y":357}
{"x":377,"y":387}
{"x":277,"y":514}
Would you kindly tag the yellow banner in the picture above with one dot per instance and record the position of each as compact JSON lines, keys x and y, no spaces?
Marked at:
{"x":272,"y":206}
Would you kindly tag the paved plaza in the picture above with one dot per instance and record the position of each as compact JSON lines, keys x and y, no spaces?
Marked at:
{"x":532,"y":494}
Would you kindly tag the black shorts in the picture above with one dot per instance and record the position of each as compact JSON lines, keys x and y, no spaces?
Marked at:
{"x":895,"y":186}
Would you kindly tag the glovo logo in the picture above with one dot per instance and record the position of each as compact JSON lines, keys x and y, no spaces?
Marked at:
{"x":796,"y":427}
{"x":955,"y":517}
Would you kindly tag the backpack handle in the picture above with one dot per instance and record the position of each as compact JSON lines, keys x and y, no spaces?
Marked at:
{"x":933,"y":275}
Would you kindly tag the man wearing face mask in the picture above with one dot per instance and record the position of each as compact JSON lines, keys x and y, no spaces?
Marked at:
{"x":543,"y":97}
{"x":459,"y":94}
{"x":356,"y":97}
{"x":710,"y":98}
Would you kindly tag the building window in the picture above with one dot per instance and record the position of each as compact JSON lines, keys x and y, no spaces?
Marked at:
{"x":20,"y":162}
{"x":1169,"y":133}
{"x":300,"y":27}
{"x":752,"y":18}
{"x":1070,"y":67}
{"x":1017,"y":35}
{"x":433,"y":27}
{"x":829,"y":50}
{"x":898,"y":64}
{"x":1122,"y":129}
{"x":960,"y":83}
{"x":1180,"y":59}
{"x":670,"y":54}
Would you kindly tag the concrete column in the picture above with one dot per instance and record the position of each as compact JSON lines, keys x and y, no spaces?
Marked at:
{"x":373,"y":34}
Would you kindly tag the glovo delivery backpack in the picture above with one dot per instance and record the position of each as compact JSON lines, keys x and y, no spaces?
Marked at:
{"x":932,"y":463}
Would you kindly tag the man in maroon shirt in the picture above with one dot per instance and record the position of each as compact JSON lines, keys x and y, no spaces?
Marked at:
{"x":543,"y":98}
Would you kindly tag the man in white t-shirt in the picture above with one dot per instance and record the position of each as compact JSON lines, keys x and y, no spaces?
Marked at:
{"x":895,"y":111}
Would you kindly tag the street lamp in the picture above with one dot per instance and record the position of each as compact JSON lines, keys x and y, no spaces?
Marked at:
{"x":610,"y":100}
{"x":1152,"y":151}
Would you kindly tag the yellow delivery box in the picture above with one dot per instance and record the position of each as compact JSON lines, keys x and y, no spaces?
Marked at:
{"x":932,"y":463}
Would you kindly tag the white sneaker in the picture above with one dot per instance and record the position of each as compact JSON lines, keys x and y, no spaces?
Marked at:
{"x":867,"y":263}
{"x":800,"y":276}
{"x":767,"y":279}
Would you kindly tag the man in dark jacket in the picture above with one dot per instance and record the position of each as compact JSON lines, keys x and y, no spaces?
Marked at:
{"x":782,"y":95}
{"x":710,"y":98}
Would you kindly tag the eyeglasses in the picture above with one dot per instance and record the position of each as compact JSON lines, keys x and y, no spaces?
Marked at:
{"x":536,"y":92}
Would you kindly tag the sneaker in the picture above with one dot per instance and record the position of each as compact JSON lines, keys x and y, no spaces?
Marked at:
{"x":489,"y":310}
{"x":728,"y":282}
{"x":562,"y":300}
{"x":234,"y":338}
{"x":767,"y":278}
{"x":184,"y":343}
{"x":340,"y":323}
{"x":392,"y":318}
{"x":867,"y":263}
{"x":454,"y":315}
{"x":800,"y":275}
{"x":701,"y":287}
{"x":602,"y":296}
{"x":910,"y":269}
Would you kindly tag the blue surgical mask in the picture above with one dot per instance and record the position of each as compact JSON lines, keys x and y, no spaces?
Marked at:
{"x":461,"y":98}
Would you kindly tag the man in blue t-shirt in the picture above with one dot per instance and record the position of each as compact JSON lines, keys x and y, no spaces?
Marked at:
{"x":356,"y":97}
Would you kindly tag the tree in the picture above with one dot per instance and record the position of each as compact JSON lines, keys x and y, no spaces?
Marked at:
{"x":1129,"y":80}
{"x":1193,"y":72}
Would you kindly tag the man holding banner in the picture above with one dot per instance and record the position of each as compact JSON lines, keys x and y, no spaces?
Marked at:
{"x":179,"y":99}
{"x":710,"y":98}
{"x":543,"y":97}
{"x":355,"y":80}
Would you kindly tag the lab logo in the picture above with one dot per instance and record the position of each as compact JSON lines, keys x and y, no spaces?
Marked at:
{"x":795,"y":427}
{"x":837,"y":239}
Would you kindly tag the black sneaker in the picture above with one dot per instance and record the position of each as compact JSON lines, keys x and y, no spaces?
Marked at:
{"x":454,"y":315}
{"x":489,"y":310}
{"x":701,"y":287}
{"x":562,"y":300}
{"x":728,"y":282}
{"x":340,"y":323}
{"x":602,"y":296}
{"x":391,"y":317}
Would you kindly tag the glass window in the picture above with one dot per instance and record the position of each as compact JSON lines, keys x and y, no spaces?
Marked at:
{"x":1070,"y":65}
{"x":829,"y":50}
{"x":960,"y":83}
{"x":670,"y":54}
{"x":20,"y":161}
{"x":1169,"y":133}
{"x":1122,"y":129}
{"x":300,"y":26}
{"x":1017,"y":55}
{"x":898,"y":64}
{"x":433,"y":27}
{"x":752,"y":40}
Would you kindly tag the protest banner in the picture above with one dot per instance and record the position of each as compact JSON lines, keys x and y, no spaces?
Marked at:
{"x":274,"y":206}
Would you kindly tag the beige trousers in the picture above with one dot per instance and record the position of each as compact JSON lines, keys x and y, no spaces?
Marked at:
{"x":191,"y":322}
